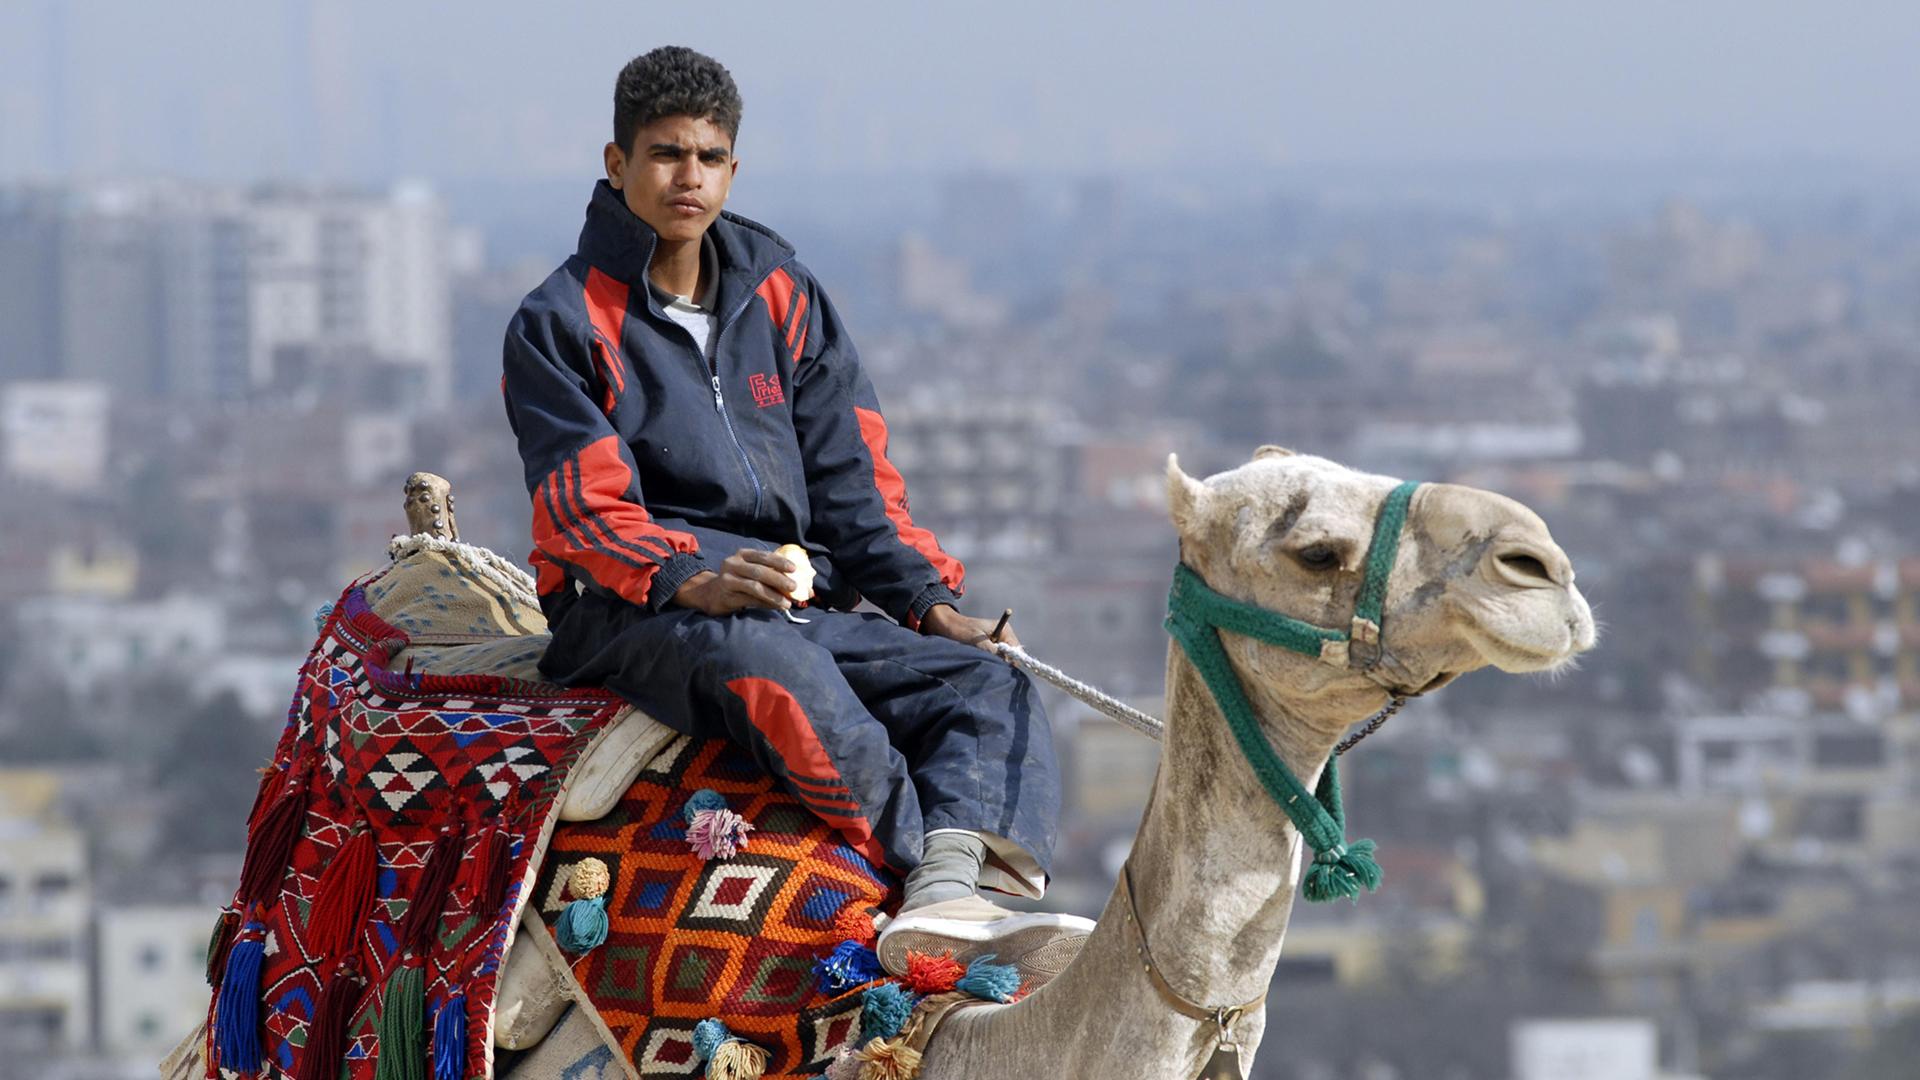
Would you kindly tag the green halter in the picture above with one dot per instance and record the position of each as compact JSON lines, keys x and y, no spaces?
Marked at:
{"x":1196,"y":615}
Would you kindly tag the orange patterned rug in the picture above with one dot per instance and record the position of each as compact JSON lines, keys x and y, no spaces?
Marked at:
{"x":735,"y":937}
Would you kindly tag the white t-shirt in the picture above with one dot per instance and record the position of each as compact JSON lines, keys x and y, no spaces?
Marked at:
{"x":696,"y":314}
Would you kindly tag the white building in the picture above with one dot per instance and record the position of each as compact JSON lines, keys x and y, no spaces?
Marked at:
{"x":351,"y":274}
{"x":44,"y":899}
{"x":88,"y":640}
{"x":152,"y":971}
{"x":208,"y":292}
{"x":55,"y":433}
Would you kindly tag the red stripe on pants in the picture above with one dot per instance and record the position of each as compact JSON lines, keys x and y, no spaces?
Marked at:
{"x":783,"y":723}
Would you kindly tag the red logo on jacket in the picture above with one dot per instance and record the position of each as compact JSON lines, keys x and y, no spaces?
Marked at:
{"x":766,"y":389}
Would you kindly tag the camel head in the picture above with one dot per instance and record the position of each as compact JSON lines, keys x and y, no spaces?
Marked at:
{"x":1477,"y":580}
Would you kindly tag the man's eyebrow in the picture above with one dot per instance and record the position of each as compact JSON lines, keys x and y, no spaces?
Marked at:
{"x":676,"y":148}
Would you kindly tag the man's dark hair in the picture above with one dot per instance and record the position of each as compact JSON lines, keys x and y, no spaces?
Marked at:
{"x":673,"y":80}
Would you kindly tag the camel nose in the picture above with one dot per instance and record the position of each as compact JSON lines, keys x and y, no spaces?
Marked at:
{"x":1530,"y":566}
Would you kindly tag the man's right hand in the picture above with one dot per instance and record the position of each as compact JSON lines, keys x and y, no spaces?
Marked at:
{"x":749,"y":578}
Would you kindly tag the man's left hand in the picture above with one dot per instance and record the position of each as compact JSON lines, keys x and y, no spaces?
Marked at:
{"x":944,"y":621}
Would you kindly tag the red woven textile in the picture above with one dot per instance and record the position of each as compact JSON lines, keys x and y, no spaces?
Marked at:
{"x":407,"y":755}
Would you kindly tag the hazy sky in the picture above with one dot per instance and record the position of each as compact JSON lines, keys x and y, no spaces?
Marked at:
{"x":507,"y":89}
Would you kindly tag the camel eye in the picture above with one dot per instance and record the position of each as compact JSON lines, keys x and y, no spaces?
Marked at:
{"x":1318,"y":557}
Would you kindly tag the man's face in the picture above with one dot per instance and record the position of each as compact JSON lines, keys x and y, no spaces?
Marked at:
{"x":678,"y":175}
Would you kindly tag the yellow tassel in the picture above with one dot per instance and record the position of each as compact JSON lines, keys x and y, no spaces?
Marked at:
{"x":736,"y":1059}
{"x":888,"y":1059}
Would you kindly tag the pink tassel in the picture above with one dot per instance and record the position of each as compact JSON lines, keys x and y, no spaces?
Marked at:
{"x":718,"y":833}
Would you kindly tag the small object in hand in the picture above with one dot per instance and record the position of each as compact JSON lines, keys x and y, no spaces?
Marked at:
{"x":1001,"y":626}
{"x":802,"y":572}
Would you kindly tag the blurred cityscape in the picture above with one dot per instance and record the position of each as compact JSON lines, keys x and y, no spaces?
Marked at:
{"x":1696,"y":855}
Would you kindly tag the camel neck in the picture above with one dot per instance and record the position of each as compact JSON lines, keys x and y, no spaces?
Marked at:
{"x":1214,"y":869}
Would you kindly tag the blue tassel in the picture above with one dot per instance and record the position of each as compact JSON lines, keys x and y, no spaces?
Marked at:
{"x":884,"y":1011}
{"x":850,"y":964}
{"x":320,"y":616}
{"x":450,"y":1040}
{"x":990,"y":981}
{"x":236,"y":1019}
{"x":708,"y":1034}
{"x":704,"y":799}
{"x":582,"y":925}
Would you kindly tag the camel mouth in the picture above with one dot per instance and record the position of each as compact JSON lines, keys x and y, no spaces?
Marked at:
{"x":1436,"y":683}
{"x":1514,"y":656}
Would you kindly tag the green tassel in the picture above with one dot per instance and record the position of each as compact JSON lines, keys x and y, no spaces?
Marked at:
{"x":1340,"y":872}
{"x":402,"y":1028}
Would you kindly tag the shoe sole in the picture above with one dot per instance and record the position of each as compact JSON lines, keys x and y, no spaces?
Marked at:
{"x":1039,"y":950}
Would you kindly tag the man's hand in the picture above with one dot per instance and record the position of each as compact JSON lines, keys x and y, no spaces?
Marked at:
{"x":749,"y":578}
{"x":944,"y":621}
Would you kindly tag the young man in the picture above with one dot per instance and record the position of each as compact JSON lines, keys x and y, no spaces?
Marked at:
{"x":686,"y":399}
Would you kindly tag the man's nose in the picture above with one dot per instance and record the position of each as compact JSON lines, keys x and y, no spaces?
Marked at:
{"x":687,"y":175}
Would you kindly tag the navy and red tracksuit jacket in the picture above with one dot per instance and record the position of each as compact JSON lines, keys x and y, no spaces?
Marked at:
{"x":649,"y":462}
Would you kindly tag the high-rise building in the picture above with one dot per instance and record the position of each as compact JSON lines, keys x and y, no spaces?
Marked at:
{"x":209,"y":293}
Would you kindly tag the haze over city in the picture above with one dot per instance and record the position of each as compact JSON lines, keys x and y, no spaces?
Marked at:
{"x":1651,"y":269}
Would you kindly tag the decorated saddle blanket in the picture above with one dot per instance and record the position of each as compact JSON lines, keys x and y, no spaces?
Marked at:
{"x":394,"y":838}
{"x":736,"y":914}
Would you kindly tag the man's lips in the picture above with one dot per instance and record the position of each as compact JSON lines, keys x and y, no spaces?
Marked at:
{"x":689,"y":207}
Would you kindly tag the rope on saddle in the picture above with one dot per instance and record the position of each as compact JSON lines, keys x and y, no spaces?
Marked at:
{"x":513,"y":583}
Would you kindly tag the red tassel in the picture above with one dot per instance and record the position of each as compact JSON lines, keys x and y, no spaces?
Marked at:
{"x":327,"y":1035}
{"x":932,"y":973}
{"x":496,"y":862}
{"x":346,"y":894}
{"x":854,"y":924}
{"x":271,"y":783}
{"x":270,"y":845}
{"x":430,"y":893}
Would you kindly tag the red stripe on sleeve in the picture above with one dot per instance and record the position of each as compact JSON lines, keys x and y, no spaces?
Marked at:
{"x":777,"y":291}
{"x":581,"y":518}
{"x":796,"y":339}
{"x":784,"y":724}
{"x":607,"y":308}
{"x":893,"y":491}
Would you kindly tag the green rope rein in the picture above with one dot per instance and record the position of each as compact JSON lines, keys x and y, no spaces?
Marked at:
{"x":1197,"y":614}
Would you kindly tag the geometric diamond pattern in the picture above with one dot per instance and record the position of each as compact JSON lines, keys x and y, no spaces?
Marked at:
{"x":403,"y":756}
{"x":732,"y":938}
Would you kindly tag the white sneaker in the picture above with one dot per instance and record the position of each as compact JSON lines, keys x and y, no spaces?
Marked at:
{"x":1040,"y":944}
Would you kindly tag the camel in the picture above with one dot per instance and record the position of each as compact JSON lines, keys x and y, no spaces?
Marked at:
{"x":1477,"y":582}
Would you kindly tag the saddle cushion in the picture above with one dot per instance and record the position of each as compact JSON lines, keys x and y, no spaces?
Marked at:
{"x":735,"y":938}
{"x":407,"y":755}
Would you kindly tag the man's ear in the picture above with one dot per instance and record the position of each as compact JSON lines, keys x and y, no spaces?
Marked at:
{"x":1186,"y":497}
{"x":616,"y":163}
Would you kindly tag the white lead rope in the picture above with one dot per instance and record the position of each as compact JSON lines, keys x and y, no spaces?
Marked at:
{"x":1092,"y":695}
{"x":1147,"y":725}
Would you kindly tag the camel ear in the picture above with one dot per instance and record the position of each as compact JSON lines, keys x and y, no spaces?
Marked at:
{"x":1271,"y":450}
{"x":1185,"y":496}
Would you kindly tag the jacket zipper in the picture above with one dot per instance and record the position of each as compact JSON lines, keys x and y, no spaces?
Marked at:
{"x":712,"y":364}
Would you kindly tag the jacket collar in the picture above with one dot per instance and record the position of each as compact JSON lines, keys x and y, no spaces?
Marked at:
{"x":617,"y":242}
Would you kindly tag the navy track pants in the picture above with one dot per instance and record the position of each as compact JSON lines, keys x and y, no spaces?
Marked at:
{"x":885,"y":733}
